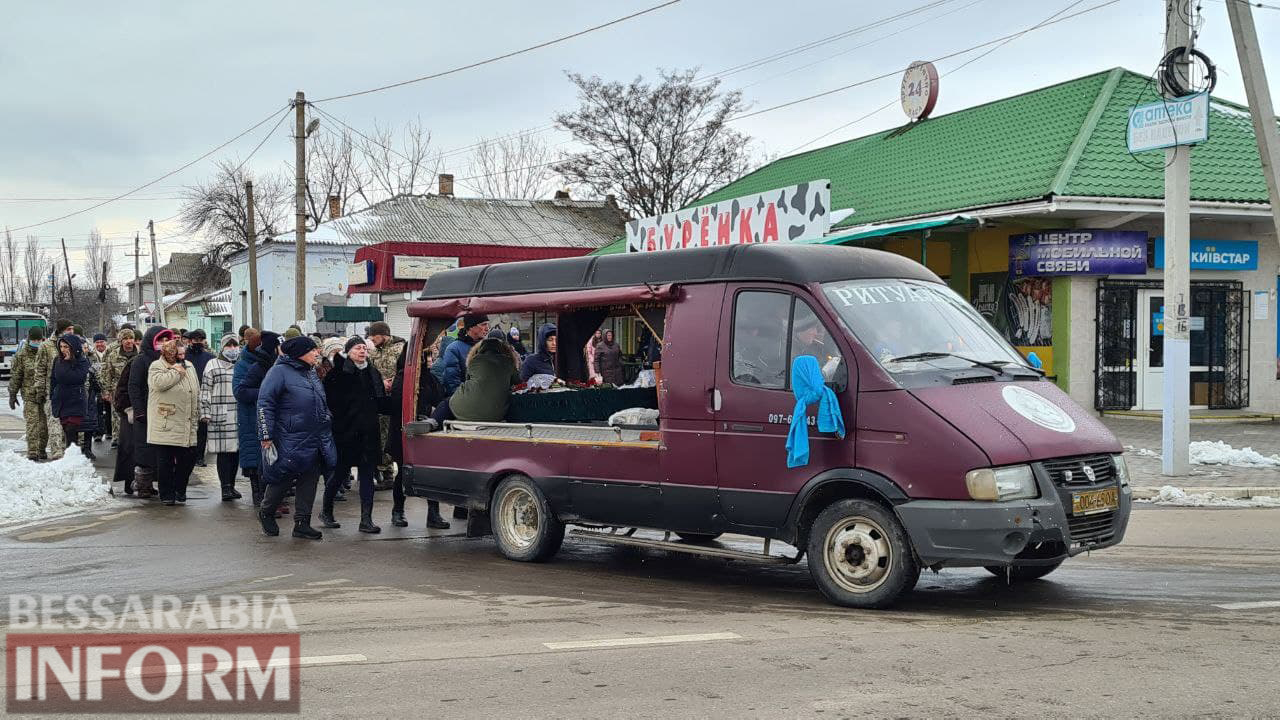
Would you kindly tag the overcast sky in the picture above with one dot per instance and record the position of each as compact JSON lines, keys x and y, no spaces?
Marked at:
{"x":100,"y":98}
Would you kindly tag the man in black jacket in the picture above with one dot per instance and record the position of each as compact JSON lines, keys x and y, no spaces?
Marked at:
{"x":199,"y":356}
{"x":143,"y":453}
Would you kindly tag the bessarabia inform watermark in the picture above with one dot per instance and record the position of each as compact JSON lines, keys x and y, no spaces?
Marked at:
{"x":153,"y":654}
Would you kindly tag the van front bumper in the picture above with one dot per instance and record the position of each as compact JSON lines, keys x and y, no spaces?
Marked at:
{"x":959,"y":533}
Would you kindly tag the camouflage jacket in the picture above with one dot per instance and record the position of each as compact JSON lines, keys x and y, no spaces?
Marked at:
{"x":23,"y":379}
{"x":113,"y":365}
{"x":45,"y":356}
{"x":386,"y":357}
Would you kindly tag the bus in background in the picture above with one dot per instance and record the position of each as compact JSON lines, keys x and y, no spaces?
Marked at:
{"x":14,"y":325}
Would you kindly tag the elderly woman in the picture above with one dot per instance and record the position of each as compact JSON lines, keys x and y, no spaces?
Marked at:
{"x":173,"y":415}
{"x":68,"y":396}
{"x":218,"y":413}
{"x":356,"y":396}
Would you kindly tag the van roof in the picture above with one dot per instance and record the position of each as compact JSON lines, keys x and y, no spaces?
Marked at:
{"x":795,"y":264}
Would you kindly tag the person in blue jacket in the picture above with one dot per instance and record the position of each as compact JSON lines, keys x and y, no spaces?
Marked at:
{"x":295,"y":431}
{"x":260,"y":354}
{"x":543,"y":360}
{"x":474,"y":328}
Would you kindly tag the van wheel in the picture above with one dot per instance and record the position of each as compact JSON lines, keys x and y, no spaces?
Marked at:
{"x":860,"y":556}
{"x":1023,"y":572}
{"x":698,"y":538}
{"x":523,"y":523}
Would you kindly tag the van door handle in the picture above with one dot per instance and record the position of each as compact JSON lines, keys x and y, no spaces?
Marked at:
{"x":713,"y":395}
{"x":746,"y":427}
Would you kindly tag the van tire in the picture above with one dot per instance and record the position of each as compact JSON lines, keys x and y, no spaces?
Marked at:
{"x":698,"y":538}
{"x":860,"y":555}
{"x":1023,"y":572}
{"x":524,"y":524}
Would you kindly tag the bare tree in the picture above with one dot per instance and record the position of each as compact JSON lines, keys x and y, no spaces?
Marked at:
{"x":34,"y":262}
{"x":333,"y":169}
{"x":217,"y":210}
{"x":397,"y":166}
{"x":9,"y":259}
{"x":96,"y":253}
{"x":515,"y":167}
{"x":657,"y":147}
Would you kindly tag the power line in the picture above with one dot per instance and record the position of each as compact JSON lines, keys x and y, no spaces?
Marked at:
{"x":504,"y":56}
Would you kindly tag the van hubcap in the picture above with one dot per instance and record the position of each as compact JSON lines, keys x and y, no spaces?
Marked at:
{"x":518,"y":513}
{"x":858,"y":554}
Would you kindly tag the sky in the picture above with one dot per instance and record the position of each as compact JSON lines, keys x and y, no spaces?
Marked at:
{"x":101,"y":98}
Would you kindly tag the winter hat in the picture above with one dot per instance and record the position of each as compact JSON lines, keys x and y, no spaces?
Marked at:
{"x":514,"y":332}
{"x":270,"y":343}
{"x":196,"y":334}
{"x":78,"y":330}
{"x":61,"y":325}
{"x":470,"y":321}
{"x":125,"y":334}
{"x":35,"y":333}
{"x":99,"y":336}
{"x":497,"y":334}
{"x":357,"y":340}
{"x":296,"y":347}
{"x":229,"y":338}
{"x":331,"y":346}
{"x":377,"y":328}
{"x":292,"y":333}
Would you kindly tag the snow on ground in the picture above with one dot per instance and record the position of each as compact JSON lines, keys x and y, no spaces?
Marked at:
{"x":32,"y":490}
{"x":1216,"y":452}
{"x":4,"y":404}
{"x":1176,"y":497}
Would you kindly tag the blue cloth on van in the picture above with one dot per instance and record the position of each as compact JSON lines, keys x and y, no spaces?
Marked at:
{"x":809,"y":387}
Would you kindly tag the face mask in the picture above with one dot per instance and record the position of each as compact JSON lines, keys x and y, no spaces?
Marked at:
{"x":231,"y":353}
{"x":34,"y":344}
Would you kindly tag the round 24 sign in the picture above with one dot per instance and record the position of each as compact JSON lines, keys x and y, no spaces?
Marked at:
{"x":919,"y":89}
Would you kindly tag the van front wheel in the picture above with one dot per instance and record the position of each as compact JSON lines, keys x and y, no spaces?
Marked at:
{"x":860,"y":556}
{"x":523,"y":522}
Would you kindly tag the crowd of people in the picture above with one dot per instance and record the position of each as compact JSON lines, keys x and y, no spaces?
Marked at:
{"x":297,"y":415}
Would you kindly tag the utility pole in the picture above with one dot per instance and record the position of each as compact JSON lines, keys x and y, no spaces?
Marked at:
{"x":1259,"y":97}
{"x":137,"y":274}
{"x":155,"y":273}
{"x":53,"y":288}
{"x":300,"y":201}
{"x":255,"y":315}
{"x":71,"y":289}
{"x":1176,"y":417}
{"x":102,"y":298}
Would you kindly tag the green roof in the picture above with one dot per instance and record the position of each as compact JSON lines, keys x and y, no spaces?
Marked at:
{"x":1065,"y":139}
{"x":617,"y":246}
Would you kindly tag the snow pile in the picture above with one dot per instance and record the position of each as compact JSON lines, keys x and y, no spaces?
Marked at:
{"x":4,"y":405}
{"x":31,"y":490}
{"x":1216,"y":452}
{"x":1177,"y":497}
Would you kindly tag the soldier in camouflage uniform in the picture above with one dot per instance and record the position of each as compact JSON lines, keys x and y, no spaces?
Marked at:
{"x":117,"y":356}
{"x":44,"y":371}
{"x":24,"y":383}
{"x":384,"y":353}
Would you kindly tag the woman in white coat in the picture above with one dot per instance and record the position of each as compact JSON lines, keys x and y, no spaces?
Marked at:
{"x":218,"y":414}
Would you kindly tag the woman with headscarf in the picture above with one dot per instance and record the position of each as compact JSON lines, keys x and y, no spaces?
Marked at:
{"x":609,"y":360}
{"x":356,"y":395}
{"x":143,"y":452}
{"x":593,"y":372}
{"x":68,"y":396}
{"x":295,"y":435}
{"x":173,"y":412}
{"x":218,"y":413}
{"x":255,"y":360}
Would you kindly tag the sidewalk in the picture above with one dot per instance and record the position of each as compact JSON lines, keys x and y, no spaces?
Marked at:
{"x":1139,"y":434}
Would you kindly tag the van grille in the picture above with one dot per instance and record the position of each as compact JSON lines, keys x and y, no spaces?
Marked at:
{"x":1092,"y":528}
{"x":1070,"y":472}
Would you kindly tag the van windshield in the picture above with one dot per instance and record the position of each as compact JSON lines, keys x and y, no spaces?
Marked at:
{"x":913,"y":326}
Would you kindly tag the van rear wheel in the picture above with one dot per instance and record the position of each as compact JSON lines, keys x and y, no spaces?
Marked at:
{"x":860,"y":555}
{"x":523,"y":522}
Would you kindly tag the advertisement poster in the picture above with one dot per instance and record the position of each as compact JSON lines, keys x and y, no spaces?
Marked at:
{"x":1078,"y":252}
{"x":790,"y":214}
{"x":1021,"y":308}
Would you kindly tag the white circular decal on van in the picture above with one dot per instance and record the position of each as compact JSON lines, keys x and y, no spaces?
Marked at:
{"x":1037,"y":409}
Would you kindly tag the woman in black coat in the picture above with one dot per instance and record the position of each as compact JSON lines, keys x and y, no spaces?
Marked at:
{"x":430,"y":392}
{"x":68,"y":395}
{"x":356,"y":397}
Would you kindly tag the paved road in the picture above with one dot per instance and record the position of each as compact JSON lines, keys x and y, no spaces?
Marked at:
{"x":447,"y":626}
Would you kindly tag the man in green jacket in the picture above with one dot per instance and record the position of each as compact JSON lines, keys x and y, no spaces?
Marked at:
{"x":44,"y":371}
{"x":23,"y":382}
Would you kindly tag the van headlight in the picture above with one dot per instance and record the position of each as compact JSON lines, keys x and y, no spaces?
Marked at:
{"x":1122,"y":472}
{"x":1015,"y":482}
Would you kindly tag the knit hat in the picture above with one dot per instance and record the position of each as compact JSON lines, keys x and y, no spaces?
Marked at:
{"x":378,"y":328}
{"x":470,"y":321}
{"x":292,"y":333}
{"x":99,"y":336}
{"x":270,"y":343}
{"x":497,"y":334}
{"x":357,"y":340}
{"x":35,"y":333}
{"x":126,"y":334}
{"x":296,"y":347}
{"x":331,"y":346}
{"x":514,"y":332}
{"x":196,"y":334}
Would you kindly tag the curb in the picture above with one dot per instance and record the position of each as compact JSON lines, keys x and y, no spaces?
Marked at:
{"x":1236,"y":493}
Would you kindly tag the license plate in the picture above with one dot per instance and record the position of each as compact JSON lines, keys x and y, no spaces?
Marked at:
{"x":1095,"y":501}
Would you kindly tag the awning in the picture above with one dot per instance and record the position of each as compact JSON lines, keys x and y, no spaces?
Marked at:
{"x":541,"y":302}
{"x":350,"y":313}
{"x":865,"y":232}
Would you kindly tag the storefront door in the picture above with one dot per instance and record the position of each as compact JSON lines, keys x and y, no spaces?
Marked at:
{"x":1219,"y":376}
{"x":1150,"y":349}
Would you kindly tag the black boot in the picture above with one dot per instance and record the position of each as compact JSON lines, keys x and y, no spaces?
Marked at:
{"x":326,"y":515}
{"x":268,"y":520}
{"x":366,"y":519}
{"x":434,"y":521}
{"x":228,"y":492}
{"x":255,"y":488}
{"x":397,"y":514}
{"x":302,"y":528}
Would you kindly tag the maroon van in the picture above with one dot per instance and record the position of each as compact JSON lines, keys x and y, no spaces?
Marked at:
{"x":957,"y":452}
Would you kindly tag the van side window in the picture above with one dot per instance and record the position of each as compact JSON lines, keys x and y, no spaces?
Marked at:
{"x":760,"y":323}
{"x":809,"y":337}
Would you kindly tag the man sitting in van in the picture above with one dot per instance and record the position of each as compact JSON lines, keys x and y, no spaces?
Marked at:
{"x":542,"y":362}
{"x":474,"y":328}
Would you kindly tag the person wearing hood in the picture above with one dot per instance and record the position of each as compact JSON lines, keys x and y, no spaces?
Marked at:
{"x":513,"y":335}
{"x":486,"y":393}
{"x":474,"y":328}
{"x":139,"y":393}
{"x":68,"y":396}
{"x":257,"y":357}
{"x":24,"y":383}
{"x":173,"y":416}
{"x":609,"y":360}
{"x":295,"y":435}
{"x":542,"y":362}
{"x":357,"y":396}
{"x":218,"y":414}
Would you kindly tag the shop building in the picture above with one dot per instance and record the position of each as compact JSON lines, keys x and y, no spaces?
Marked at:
{"x":1033,"y":209}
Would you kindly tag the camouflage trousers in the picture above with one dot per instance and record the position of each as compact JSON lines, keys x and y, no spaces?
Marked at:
{"x":384,"y":425}
{"x":37,"y":428}
{"x":57,"y":442}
